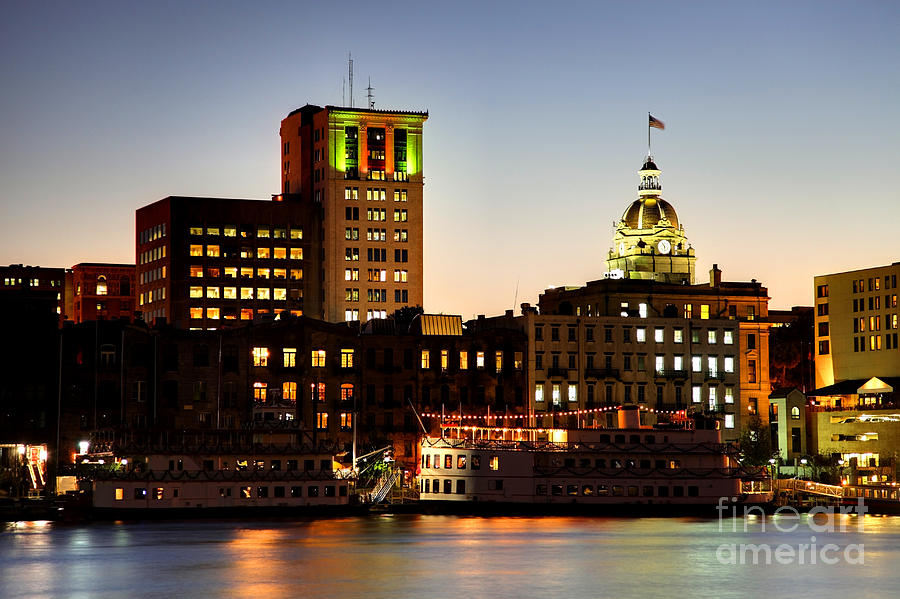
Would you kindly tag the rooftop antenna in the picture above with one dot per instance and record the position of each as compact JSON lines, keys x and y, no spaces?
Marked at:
{"x":370,"y":95}
{"x":350,"y":67}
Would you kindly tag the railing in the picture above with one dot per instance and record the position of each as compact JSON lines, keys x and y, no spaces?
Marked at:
{"x":601,"y":373}
{"x":563,"y":372}
{"x":384,"y":486}
{"x":804,"y":486}
{"x":672,"y":374}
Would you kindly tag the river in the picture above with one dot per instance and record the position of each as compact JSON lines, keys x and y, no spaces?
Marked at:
{"x":405,"y":556}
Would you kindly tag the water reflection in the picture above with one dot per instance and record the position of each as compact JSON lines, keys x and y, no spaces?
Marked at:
{"x":438,"y":556}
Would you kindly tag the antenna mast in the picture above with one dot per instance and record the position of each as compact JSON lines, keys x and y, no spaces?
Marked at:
{"x":370,"y":95}
{"x":350,"y":68}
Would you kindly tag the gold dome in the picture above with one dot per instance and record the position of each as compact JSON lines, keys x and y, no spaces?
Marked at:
{"x":646,"y":213}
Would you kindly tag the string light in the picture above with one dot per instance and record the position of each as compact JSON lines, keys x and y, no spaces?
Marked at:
{"x":542,"y":414}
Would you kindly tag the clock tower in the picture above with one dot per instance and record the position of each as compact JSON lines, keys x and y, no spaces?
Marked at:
{"x":649,"y":242}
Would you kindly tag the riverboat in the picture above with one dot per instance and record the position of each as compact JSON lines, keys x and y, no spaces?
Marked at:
{"x":671,"y":465}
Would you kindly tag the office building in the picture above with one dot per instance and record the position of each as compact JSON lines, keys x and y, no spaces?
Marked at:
{"x":363,"y":167}
{"x":100,"y":292}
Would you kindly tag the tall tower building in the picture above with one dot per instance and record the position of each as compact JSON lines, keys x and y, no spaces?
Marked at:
{"x":364,"y":168}
{"x":649,"y":242}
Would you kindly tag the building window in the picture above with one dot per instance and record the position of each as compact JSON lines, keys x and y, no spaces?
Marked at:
{"x":259,"y":391}
{"x":498,"y":361}
{"x":641,"y":334}
{"x":289,"y":391}
{"x":426,"y":359}
{"x":445,"y":359}
{"x":696,"y":391}
{"x":729,"y":394}
{"x":463,"y":360}
{"x":290,"y":357}
{"x":322,"y":421}
{"x":711,"y":336}
{"x":260,"y":356}
{"x":479,"y":360}
{"x":573,"y":393}
{"x":751,"y":371}
{"x":729,"y":364}
{"x":729,"y":420}
{"x":539,"y":392}
{"x":317,"y":392}
{"x":318,"y":358}
{"x":556,"y":394}
{"x":822,"y":291}
{"x":347,"y":358}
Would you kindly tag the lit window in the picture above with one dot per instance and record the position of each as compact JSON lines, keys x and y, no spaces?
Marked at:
{"x":296,"y":253}
{"x":696,"y":363}
{"x":120,"y":493}
{"x":347,"y":392}
{"x":262,"y":273}
{"x":426,"y":359}
{"x":642,"y":310}
{"x":517,"y":360}
{"x":230,"y":231}
{"x":556,"y":394}
{"x":246,"y":293}
{"x":641,"y":334}
{"x":711,"y":336}
{"x":445,"y":359}
{"x":660,"y":364}
{"x":290,"y":356}
{"x":728,"y":337}
{"x":279,"y":294}
{"x":212,"y":251}
{"x":262,"y":232}
{"x":196,"y":250}
{"x":260,"y":356}
{"x":712,"y":364}
{"x":696,"y":391}
{"x":196,"y":292}
{"x":318,"y":358}
{"x":279,"y":253}
{"x":659,"y":335}
{"x":196,"y":230}
{"x":729,"y":420}
{"x":259,"y":391}
{"x":212,"y":292}
{"x":322,"y":420}
{"x":498,"y":361}
{"x":196,"y":313}
{"x":539,"y":392}
{"x":347,"y":358}
{"x":729,"y":364}
{"x":729,"y":394}
{"x":263,"y":252}
{"x":678,"y":335}
{"x":495,"y":462}
{"x":317,"y":391}
{"x":279,"y":273}
{"x":463,"y":360}
{"x":296,"y":233}
{"x":346,"y":421}
{"x":262,"y":293}
{"x":289,"y":391}
{"x":212,"y":313}
{"x":704,"y":311}
{"x":479,"y":359}
{"x":229,"y":292}
{"x":246,"y":313}
{"x":573,"y":393}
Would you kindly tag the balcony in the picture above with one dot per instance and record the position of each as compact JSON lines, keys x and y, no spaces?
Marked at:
{"x":601,"y":373}
{"x":671,"y":374}
{"x":714,"y":375}
{"x":556,"y":371}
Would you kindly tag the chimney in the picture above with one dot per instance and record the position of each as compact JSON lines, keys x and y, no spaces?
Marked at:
{"x":715,"y":276}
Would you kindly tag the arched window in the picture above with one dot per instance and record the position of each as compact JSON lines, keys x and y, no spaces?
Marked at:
{"x":101,"y":285}
{"x":795,"y":413}
{"x":124,"y":286}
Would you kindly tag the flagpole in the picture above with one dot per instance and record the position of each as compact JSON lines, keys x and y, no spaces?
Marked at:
{"x":648,"y":134}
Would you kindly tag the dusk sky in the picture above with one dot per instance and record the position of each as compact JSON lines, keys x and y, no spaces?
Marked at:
{"x":780,"y":151}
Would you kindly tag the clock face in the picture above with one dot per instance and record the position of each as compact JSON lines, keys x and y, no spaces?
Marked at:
{"x":664,"y":246}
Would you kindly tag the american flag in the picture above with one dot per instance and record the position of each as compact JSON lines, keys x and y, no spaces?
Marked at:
{"x":656,"y":123}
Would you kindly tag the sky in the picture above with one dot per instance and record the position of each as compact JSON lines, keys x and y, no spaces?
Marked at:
{"x":780,"y":151}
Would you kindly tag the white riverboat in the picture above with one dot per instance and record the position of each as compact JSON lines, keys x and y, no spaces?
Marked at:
{"x":219,"y":483}
{"x":674,"y":465}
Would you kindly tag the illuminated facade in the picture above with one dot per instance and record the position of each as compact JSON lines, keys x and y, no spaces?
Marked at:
{"x":363,"y":167}
{"x":100,"y":292}
{"x":857,"y":325}
{"x":209,"y":262}
{"x":649,"y":241}
{"x":23,"y":281}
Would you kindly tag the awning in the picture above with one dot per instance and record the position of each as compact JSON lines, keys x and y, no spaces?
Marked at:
{"x":874,"y":386}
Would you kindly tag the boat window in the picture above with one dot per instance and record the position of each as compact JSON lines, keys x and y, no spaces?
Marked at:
{"x":571,"y":489}
{"x":448,"y":486}
{"x":448,"y":461}
{"x":461,"y":486}
{"x":632,"y":490}
{"x":461,"y":462}
{"x":618,"y":490}
{"x":556,"y":490}
{"x":495,"y":462}
{"x":476,"y":462}
{"x":427,"y":483}
{"x":541,"y":490}
{"x":296,"y":491}
{"x":312,"y":491}
{"x":329,"y":490}
{"x":587,"y":490}
{"x":602,"y":490}
{"x":437,"y":460}
{"x":436,"y":486}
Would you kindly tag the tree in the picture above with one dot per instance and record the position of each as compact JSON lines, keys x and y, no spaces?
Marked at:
{"x":790,"y":353}
{"x":755,"y":443}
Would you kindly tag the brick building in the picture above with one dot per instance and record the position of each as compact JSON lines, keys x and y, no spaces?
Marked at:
{"x":100,"y":292}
